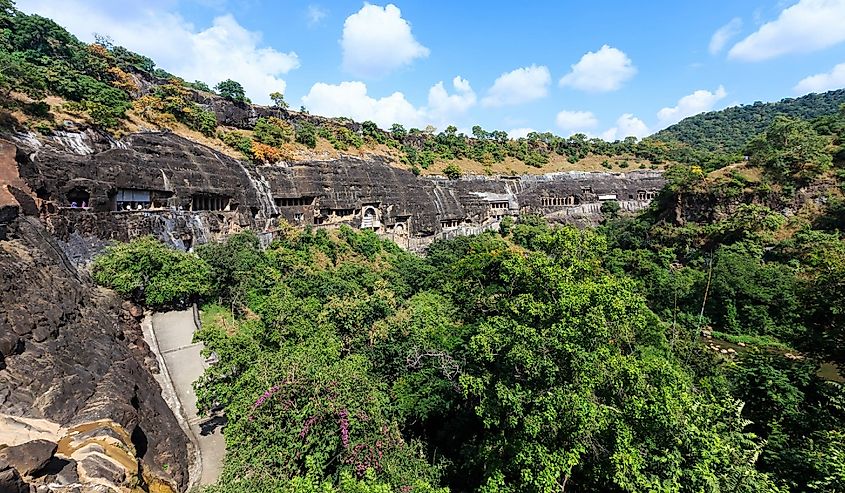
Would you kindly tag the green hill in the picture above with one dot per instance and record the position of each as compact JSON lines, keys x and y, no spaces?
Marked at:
{"x":729,"y":130}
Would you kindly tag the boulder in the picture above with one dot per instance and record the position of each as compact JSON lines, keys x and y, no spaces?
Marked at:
{"x":68,"y":475}
{"x":98,"y":468}
{"x":11,"y":481}
{"x":30,"y":457}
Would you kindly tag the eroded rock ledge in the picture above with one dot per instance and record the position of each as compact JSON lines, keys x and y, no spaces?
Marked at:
{"x":186,"y":193}
{"x":78,"y":404}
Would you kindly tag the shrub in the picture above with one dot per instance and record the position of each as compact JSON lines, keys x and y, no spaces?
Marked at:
{"x":306,"y":134}
{"x":238,"y":141}
{"x":150,"y":272}
{"x":452,"y":171}
{"x":201,"y":120}
{"x":272,"y":131}
{"x":265,"y":153}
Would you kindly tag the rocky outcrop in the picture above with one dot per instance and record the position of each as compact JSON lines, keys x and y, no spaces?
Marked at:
{"x":75,"y":374}
{"x":188,"y":193}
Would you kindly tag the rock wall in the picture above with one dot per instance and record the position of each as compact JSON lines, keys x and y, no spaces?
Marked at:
{"x":196,"y":194}
{"x":79,"y":407}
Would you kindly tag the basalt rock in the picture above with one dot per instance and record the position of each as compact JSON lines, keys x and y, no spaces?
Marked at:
{"x":29,"y":457}
{"x":11,"y":480}
{"x":188,"y":194}
{"x":74,"y":362}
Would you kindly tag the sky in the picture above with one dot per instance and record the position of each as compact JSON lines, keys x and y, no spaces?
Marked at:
{"x":604,"y":68}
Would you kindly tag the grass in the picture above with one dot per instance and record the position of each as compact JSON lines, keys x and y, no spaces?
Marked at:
{"x":511,"y":166}
{"x":215,"y":315}
{"x":750,"y":340}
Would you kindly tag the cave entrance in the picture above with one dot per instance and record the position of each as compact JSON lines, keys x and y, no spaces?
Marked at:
{"x":131,"y":199}
{"x":78,"y":197}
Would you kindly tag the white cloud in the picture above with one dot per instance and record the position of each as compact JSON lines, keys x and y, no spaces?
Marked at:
{"x":519,"y":86}
{"x":691,"y":104}
{"x":315,"y":14}
{"x":521,"y":132}
{"x":377,"y":40}
{"x":822,"y":82}
{"x":576,"y":120}
{"x":807,"y":26}
{"x":443,"y":105}
{"x":350,"y":99}
{"x":724,"y":34}
{"x":626,"y":125}
{"x":221,"y":51}
{"x":602,"y":71}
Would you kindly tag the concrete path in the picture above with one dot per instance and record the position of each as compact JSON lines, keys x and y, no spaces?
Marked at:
{"x":173,"y":333}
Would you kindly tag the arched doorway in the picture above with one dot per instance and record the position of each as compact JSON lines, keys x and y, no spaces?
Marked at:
{"x":370,"y":218}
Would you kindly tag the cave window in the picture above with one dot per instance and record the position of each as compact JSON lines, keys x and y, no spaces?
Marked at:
{"x":210,"y":202}
{"x":78,"y":197}
{"x":132,"y":199}
{"x":370,"y":218}
{"x":293,"y":201}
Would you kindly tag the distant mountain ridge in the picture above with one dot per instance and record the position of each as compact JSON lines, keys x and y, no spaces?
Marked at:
{"x":730,"y":129}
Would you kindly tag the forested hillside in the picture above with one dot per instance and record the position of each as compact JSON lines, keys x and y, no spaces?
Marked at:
{"x":691,"y":348}
{"x":729,"y":130}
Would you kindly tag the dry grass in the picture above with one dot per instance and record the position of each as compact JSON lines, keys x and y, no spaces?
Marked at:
{"x":743,"y":169}
{"x":295,"y":152}
{"x":511,"y":166}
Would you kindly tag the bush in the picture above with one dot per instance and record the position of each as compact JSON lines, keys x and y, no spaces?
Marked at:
{"x":202,"y":120}
{"x":306,"y":134}
{"x":152,"y":273}
{"x":238,"y":141}
{"x":272,"y":131}
{"x":452,"y":171}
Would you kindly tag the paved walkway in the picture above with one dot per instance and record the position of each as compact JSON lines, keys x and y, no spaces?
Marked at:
{"x":174,"y":332}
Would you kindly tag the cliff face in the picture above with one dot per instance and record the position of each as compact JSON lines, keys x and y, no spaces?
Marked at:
{"x":78,"y":403}
{"x":186,"y":193}
{"x":75,"y":372}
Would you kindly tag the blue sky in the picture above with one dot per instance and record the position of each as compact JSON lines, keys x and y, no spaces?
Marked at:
{"x":606,"y":68}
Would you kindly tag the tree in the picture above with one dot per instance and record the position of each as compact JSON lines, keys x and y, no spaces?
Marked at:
{"x":452,"y":171}
{"x":231,"y":90}
{"x":398,"y":132}
{"x":790,"y":150}
{"x":152,"y":273}
{"x":279,"y":100}
{"x":610,"y":209}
